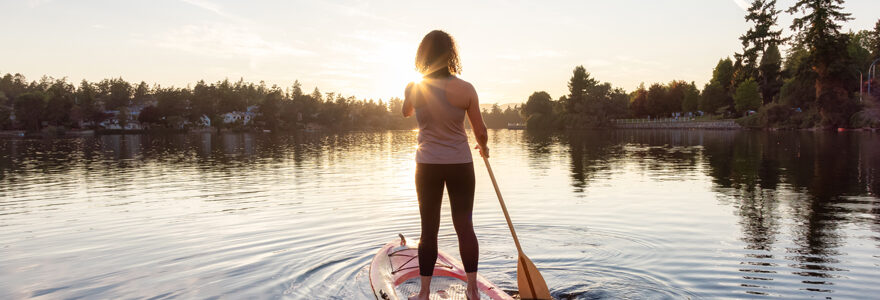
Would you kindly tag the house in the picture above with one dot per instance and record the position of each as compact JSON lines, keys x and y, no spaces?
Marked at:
{"x":243,"y":118}
{"x":130,"y":116}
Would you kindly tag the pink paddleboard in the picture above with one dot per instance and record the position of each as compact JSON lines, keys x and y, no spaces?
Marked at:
{"x":394,"y":274}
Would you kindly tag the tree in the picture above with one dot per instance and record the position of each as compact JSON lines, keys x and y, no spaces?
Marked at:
{"x":29,"y":110}
{"x":770,"y":79}
{"x":874,"y":41}
{"x":654,"y":100}
{"x":691,"y":100}
{"x":141,"y":93}
{"x":229,"y":100}
{"x":316,"y":95}
{"x":150,"y":115}
{"x":763,"y":14}
{"x":5,"y":111}
{"x":723,"y":75}
{"x":860,"y":56}
{"x":296,"y":92}
{"x":117,"y":93}
{"x":713,"y":99}
{"x":638,"y":103}
{"x":538,"y":103}
{"x":747,"y":96}
{"x":538,"y":111}
{"x":60,"y":100}
{"x":820,"y":33}
{"x":203,"y":102}
{"x":270,"y":109}
{"x":675,"y":93}
{"x":87,"y":103}
{"x":172,"y":107}
{"x":723,"y":78}
{"x":619,"y":104}
{"x":799,"y":89}
{"x":577,"y":86}
{"x":13,"y":85}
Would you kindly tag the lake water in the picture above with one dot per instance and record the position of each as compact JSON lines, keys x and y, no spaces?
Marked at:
{"x":620,"y":214}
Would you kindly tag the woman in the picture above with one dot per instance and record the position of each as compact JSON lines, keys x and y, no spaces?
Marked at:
{"x":440,"y":102}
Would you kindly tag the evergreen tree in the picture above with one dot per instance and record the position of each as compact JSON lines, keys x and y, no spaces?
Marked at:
{"x":770,"y":75}
{"x":578,"y":85}
{"x":723,"y":75}
{"x":763,"y":14}
{"x":874,"y":41}
{"x":828,"y":58}
{"x":296,"y":91}
{"x":141,"y":93}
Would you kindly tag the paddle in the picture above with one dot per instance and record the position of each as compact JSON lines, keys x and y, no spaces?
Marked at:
{"x":530,"y":282}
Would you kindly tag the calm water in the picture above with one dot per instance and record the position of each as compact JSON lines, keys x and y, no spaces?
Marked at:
{"x":613,"y":214}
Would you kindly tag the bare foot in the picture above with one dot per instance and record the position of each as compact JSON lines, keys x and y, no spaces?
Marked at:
{"x":419,"y":296}
{"x":473,"y":293}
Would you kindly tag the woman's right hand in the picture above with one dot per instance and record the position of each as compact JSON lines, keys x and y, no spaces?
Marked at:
{"x":484,"y":150}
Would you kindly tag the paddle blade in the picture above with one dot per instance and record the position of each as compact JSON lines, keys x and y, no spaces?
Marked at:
{"x":530,"y":282}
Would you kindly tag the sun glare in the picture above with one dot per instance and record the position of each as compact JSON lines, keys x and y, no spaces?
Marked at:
{"x":399,"y":71}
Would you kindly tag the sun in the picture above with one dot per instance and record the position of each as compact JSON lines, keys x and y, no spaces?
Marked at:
{"x":399,"y":71}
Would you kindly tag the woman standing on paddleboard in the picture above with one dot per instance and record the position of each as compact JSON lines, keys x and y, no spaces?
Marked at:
{"x":440,"y":102}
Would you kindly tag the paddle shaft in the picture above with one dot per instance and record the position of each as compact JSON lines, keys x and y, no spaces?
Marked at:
{"x":525,"y":268}
{"x":503,"y":207}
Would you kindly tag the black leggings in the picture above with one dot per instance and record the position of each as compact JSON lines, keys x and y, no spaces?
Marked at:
{"x":459,"y":181}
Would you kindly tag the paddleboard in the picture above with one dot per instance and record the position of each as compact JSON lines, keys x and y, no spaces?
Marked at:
{"x":394,"y":275}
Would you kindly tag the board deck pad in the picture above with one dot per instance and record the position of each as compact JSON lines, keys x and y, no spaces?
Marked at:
{"x":442,"y":288}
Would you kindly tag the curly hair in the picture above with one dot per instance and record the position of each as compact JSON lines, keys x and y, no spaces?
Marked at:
{"x":437,"y":55}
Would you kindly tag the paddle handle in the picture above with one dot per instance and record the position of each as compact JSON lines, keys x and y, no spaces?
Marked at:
{"x":503,"y":207}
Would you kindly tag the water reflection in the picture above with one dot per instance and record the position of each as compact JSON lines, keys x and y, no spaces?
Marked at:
{"x":801,"y":206}
{"x":817,"y":182}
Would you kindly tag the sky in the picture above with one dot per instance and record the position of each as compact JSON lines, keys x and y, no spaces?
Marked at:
{"x":509,"y":49}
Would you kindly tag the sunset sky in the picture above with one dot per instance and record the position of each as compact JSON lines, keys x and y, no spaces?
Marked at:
{"x":509,"y":49}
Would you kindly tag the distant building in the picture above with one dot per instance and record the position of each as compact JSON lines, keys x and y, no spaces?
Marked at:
{"x":244,"y":118}
{"x":204,"y":121}
{"x":131,"y":117}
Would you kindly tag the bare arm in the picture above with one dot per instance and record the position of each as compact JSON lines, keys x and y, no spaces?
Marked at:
{"x":480,"y":133}
{"x":408,"y":109}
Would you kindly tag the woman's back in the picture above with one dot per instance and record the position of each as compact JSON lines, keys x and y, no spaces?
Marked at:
{"x":440,"y":105}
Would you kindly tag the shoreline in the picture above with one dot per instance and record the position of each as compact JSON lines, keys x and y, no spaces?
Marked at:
{"x":727,"y":124}
{"x":723,"y":125}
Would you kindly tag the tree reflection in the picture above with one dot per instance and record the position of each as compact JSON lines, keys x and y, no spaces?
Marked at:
{"x":814,"y":182}
{"x":591,"y":152}
{"x":824,"y":170}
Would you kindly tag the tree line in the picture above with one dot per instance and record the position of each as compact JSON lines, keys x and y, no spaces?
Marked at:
{"x":56,"y":102}
{"x":817,"y":84}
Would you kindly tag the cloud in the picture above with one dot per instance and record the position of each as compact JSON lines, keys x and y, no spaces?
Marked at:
{"x":216,"y":9}
{"x":35,"y":3}
{"x":598,"y":63}
{"x":546,"y":53}
{"x":636,"y":61}
{"x":742,"y":4}
{"x":226,"y":41}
